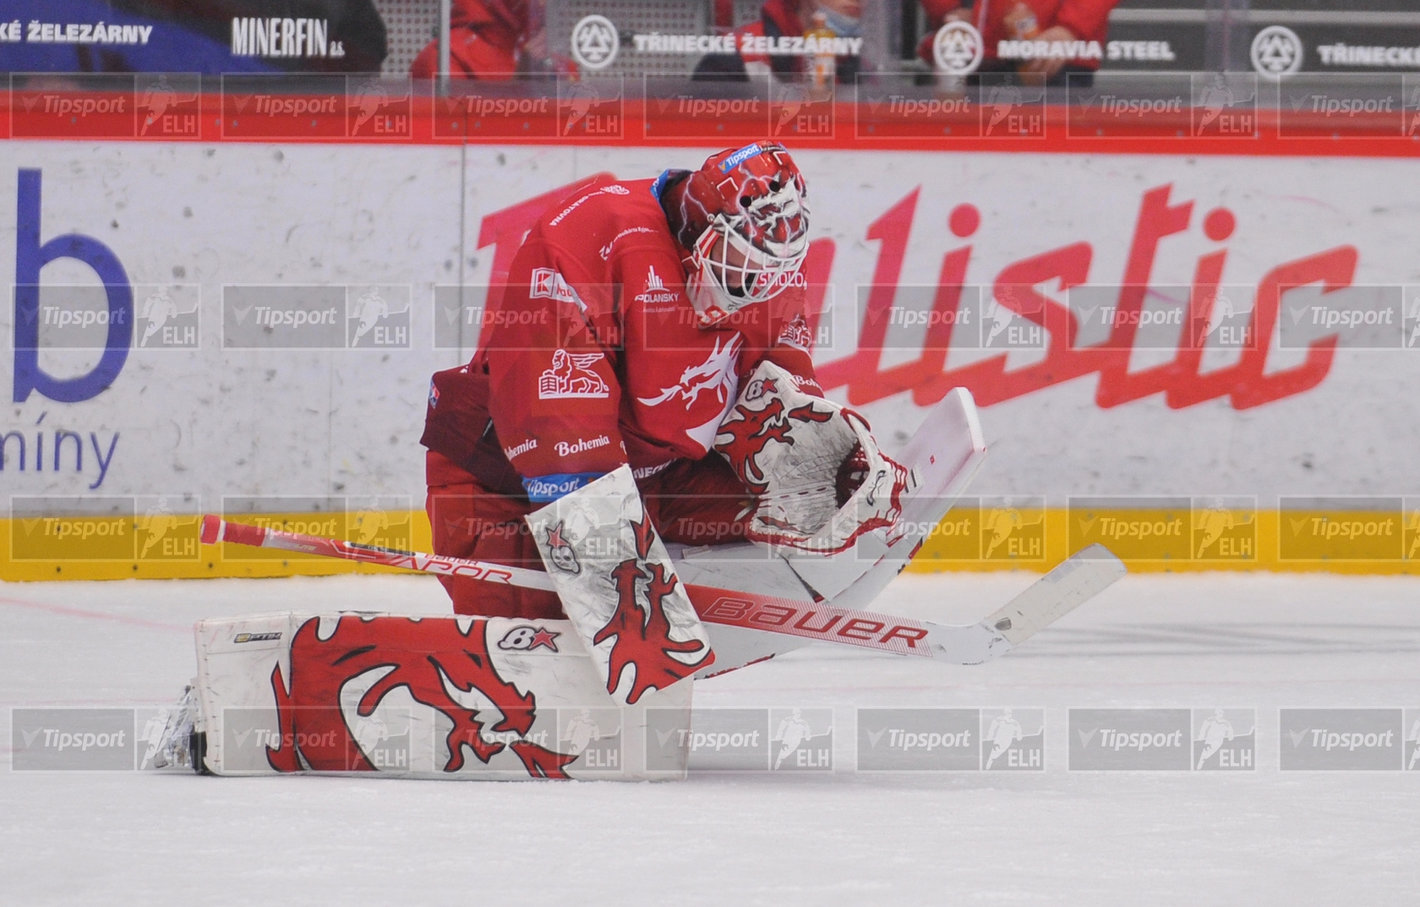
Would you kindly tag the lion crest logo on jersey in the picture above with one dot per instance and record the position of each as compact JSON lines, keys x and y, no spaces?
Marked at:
{"x":571,"y":377}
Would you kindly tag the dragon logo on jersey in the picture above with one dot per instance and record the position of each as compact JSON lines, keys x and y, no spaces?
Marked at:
{"x":716,"y":373}
{"x":642,"y":631}
{"x":571,"y":376}
{"x":429,"y":659}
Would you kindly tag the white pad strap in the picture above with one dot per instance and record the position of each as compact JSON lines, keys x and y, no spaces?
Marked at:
{"x":619,"y":588}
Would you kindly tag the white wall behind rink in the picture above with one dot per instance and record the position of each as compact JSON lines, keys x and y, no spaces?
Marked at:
{"x":200,"y":423}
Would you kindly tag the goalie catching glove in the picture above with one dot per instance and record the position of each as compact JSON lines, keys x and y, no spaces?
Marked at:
{"x":619,"y":588}
{"x":820,"y":478}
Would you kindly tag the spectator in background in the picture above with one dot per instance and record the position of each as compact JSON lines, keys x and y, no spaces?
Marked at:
{"x":491,"y":40}
{"x":188,"y":37}
{"x":780,"y":18}
{"x":1025,"y":20}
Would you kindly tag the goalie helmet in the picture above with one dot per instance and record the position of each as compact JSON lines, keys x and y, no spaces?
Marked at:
{"x":745,"y":221}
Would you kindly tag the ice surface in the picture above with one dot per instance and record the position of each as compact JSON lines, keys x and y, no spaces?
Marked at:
{"x":1052,"y":837}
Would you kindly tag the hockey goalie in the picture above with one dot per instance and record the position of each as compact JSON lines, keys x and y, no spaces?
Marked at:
{"x":637,"y":451}
{"x":656,"y":386}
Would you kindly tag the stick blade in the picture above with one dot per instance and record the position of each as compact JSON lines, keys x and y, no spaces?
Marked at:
{"x":1074,"y":581}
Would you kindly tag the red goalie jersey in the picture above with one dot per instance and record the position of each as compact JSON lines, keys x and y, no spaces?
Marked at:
{"x":601,"y":353}
{"x":607,"y":362}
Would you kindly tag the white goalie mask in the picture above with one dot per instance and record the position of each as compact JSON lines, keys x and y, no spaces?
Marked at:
{"x":748,"y":212}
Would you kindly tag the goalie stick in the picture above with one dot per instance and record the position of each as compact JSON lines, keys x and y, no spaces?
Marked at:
{"x":1051,"y":597}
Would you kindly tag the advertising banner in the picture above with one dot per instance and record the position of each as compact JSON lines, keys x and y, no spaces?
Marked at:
{"x":1212,"y":349}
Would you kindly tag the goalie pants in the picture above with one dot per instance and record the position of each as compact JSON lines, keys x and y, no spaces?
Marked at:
{"x":691,"y":502}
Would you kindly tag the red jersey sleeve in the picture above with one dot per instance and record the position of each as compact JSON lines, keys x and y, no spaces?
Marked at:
{"x":790,"y":342}
{"x":554,"y":391}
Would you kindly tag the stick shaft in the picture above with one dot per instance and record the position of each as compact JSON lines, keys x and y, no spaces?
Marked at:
{"x":734,"y":608}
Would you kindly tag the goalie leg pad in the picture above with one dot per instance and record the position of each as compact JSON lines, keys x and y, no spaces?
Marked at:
{"x":619,"y":587}
{"x":457,"y":698}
